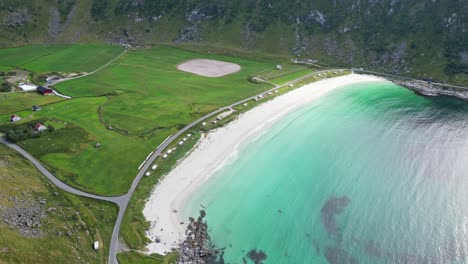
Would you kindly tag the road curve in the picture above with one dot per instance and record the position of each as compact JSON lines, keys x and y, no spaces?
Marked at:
{"x":119,"y":200}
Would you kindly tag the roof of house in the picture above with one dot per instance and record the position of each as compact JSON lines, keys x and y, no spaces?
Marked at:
{"x":43,"y":89}
{"x":38,"y":125}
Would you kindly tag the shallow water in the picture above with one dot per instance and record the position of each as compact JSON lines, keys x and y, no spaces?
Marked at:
{"x":370,"y":173}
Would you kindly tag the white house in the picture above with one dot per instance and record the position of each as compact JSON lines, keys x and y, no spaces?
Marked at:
{"x":279,"y":67}
{"x":96,"y":245}
{"x":181,"y":143}
{"x":40,"y":127}
{"x":148,"y":174}
{"x":15,"y":118}
{"x":27,"y":87}
{"x":154,"y":167}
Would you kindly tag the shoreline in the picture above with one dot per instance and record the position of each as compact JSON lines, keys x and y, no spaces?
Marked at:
{"x":214,"y":149}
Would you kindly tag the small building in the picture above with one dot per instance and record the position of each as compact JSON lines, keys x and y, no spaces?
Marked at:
{"x":27,"y":87}
{"x":96,"y":245}
{"x":40,"y":127}
{"x":44,"y":90}
{"x":154,"y":167}
{"x":98,"y":145}
{"x":169,"y":151}
{"x":36,"y":108}
{"x":203,"y":124}
{"x":279,"y":67}
{"x":181,"y":143}
{"x":189,"y":135}
{"x":245,"y":104}
{"x":15,"y":118}
{"x":148,"y":174}
{"x":164,"y":156}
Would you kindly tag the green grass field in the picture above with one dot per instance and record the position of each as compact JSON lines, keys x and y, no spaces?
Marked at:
{"x":152,"y":93}
{"x":136,"y":258}
{"x":143,"y":98}
{"x":86,"y":220}
{"x":14,"y":102}
{"x":64,"y":58}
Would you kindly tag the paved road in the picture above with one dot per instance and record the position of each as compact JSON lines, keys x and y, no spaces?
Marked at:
{"x":114,"y":246}
{"x":116,"y":199}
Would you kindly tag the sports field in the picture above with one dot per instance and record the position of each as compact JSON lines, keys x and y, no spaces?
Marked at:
{"x":129,"y":107}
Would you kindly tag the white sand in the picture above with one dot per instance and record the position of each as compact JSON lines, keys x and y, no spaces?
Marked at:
{"x":216,"y":148}
{"x":209,"y":68}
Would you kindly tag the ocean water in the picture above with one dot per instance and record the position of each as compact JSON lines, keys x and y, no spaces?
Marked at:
{"x":370,"y":173}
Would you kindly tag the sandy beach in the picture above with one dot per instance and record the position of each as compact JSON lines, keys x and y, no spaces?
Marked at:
{"x":214,"y":149}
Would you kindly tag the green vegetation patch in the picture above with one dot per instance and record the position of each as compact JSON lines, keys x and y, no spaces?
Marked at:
{"x":59,"y":58}
{"x":152,"y":93}
{"x":64,"y":226}
{"x":136,"y":258}
{"x":15,"y":102}
{"x":71,"y":152}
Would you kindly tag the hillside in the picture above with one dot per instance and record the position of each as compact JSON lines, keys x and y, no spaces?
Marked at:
{"x":425,"y":39}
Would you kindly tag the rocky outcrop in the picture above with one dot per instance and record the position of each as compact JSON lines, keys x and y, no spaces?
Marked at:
{"x":197,"y":248}
{"x":428,"y":88}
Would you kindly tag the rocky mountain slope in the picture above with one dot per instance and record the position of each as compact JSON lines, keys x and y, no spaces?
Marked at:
{"x":426,"y":39}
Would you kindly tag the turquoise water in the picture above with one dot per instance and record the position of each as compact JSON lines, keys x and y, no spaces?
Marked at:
{"x":371,"y":173}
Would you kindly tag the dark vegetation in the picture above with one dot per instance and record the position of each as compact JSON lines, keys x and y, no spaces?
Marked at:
{"x":19,"y":132}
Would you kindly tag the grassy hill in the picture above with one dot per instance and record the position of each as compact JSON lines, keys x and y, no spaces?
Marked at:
{"x":426,"y":39}
{"x":60,"y":227}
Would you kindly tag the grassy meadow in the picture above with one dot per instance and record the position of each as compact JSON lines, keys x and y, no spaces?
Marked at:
{"x":59,"y":58}
{"x":14,"y":102}
{"x":84,"y":220}
{"x":129,"y":107}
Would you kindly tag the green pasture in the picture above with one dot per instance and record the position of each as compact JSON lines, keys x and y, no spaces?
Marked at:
{"x":13,"y":102}
{"x":152,"y":93}
{"x":73,"y":157}
{"x":63,"y":58}
{"x":129,"y":108}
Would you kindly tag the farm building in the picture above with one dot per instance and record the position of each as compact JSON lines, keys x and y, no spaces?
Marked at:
{"x":40,"y":127}
{"x":36,"y":108}
{"x":44,"y":90}
{"x":15,"y":118}
{"x":27,"y":87}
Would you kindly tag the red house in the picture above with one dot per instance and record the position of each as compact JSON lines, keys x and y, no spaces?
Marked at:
{"x":44,"y":90}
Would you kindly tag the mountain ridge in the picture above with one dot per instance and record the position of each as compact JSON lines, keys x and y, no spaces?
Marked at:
{"x":423,"y":39}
